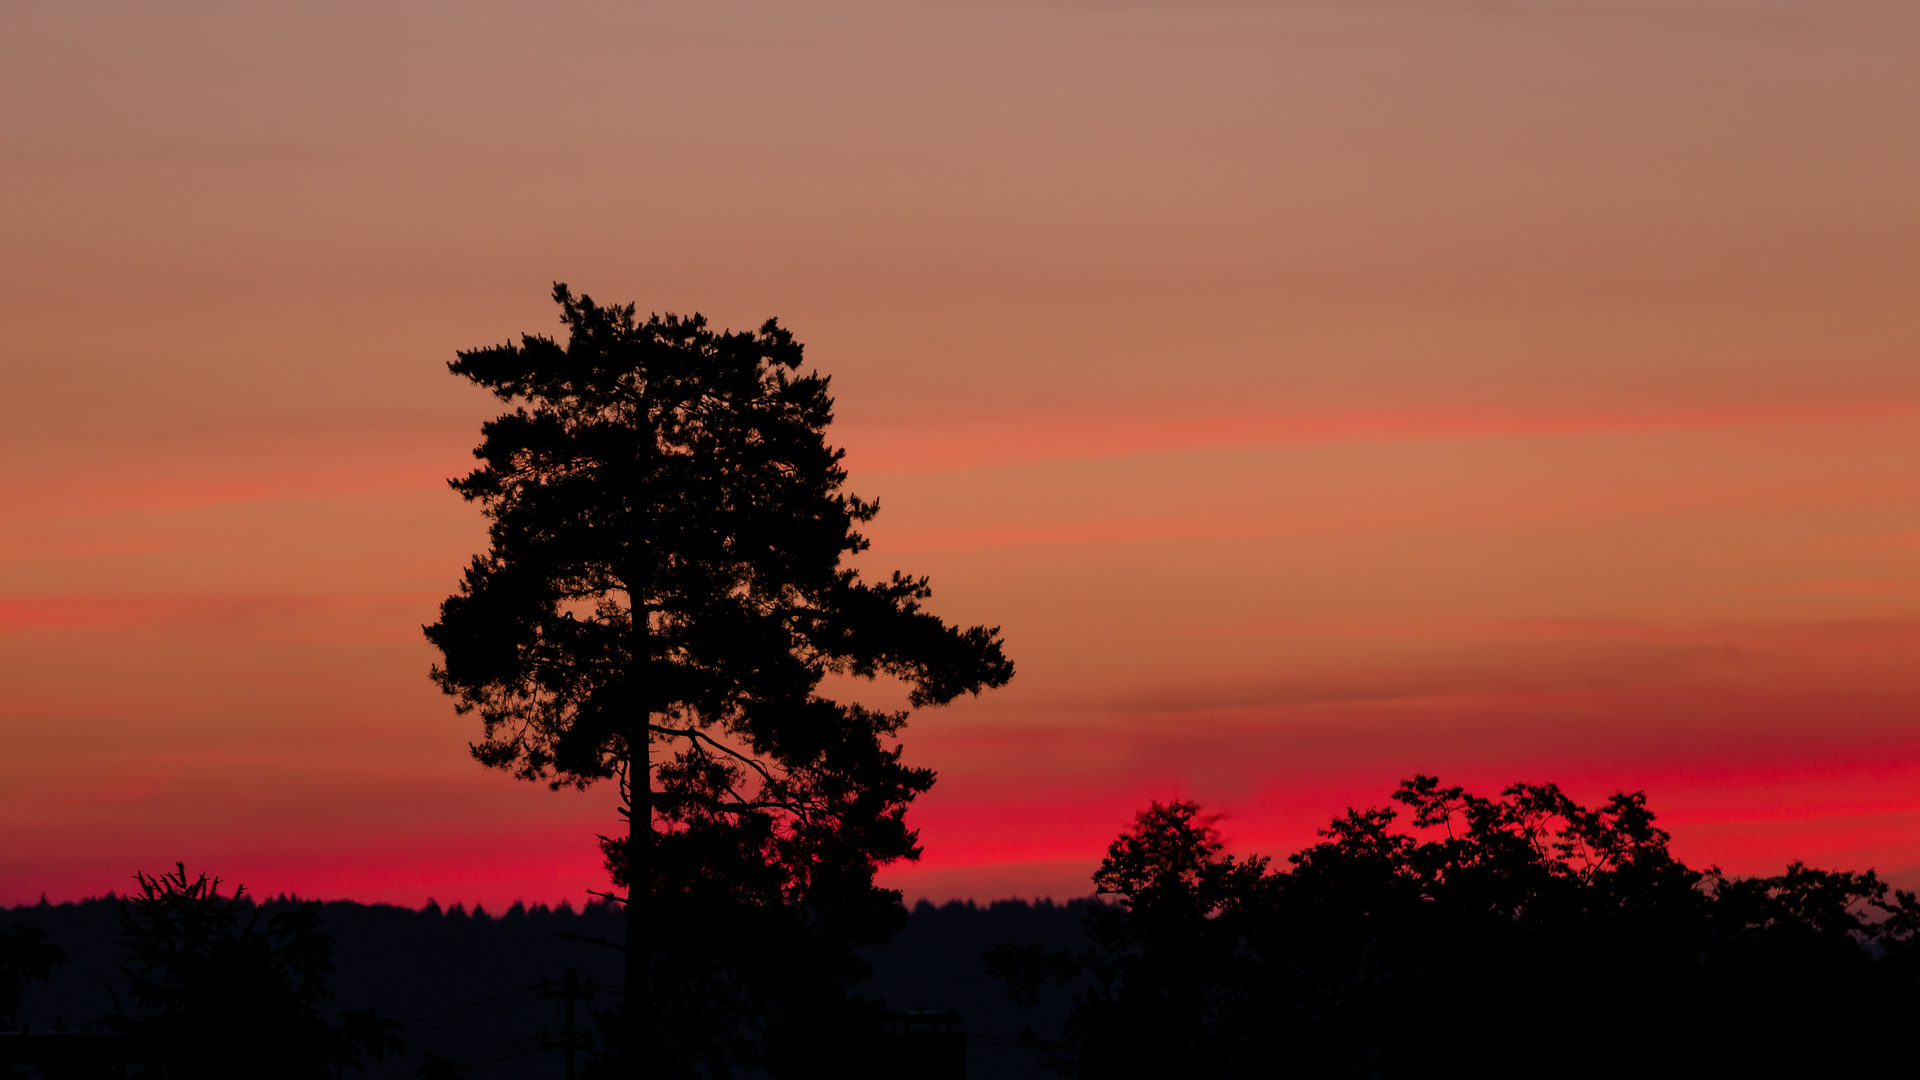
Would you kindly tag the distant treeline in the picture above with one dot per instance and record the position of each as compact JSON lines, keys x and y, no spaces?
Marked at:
{"x":452,"y":984}
{"x":459,"y":980}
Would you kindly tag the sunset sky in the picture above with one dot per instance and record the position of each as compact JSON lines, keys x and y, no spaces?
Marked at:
{"x":1315,"y":392}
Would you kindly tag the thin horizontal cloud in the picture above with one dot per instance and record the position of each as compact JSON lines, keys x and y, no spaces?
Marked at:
{"x":87,"y":611}
{"x":1525,"y":506}
{"x":1851,"y":635}
{"x":191,"y":486}
{"x":1898,"y":540}
{"x":227,"y":153}
{"x":1078,"y":532}
{"x":1871,"y":586}
{"x":157,"y":473}
{"x":1031,"y":439}
{"x":1527,"y":659}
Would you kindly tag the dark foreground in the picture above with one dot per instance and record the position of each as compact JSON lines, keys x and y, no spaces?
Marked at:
{"x":1446,"y":935}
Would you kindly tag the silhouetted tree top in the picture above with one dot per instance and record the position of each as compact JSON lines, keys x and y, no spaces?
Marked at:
{"x":1498,"y":937}
{"x":25,"y":957}
{"x":666,"y":468}
{"x":664,"y":593}
{"x":223,"y":997}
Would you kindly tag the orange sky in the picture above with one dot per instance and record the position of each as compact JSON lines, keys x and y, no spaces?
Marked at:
{"x":1315,"y":392}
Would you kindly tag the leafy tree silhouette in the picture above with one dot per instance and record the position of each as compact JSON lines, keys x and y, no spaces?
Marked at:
{"x":664,"y":594}
{"x":1162,"y":965}
{"x":224,"y":998}
{"x":1500,"y":937}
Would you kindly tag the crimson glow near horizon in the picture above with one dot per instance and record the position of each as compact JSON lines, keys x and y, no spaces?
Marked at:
{"x":1315,"y":393}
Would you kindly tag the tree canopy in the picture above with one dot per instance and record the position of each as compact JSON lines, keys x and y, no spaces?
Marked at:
{"x":1518,"y":935}
{"x":665,"y":592}
{"x":226,"y":998}
{"x":25,"y":957}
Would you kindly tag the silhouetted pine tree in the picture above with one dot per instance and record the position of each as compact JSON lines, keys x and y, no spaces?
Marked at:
{"x":223,"y":998}
{"x":663,"y":595}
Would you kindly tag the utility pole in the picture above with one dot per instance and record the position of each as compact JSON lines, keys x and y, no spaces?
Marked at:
{"x":571,"y":1039}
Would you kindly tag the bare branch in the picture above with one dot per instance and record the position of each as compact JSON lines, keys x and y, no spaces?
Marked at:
{"x":697,"y":735}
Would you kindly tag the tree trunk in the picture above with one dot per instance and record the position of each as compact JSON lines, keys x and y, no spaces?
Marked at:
{"x":639,"y":825}
{"x":639,"y":581}
{"x":635,"y":1002}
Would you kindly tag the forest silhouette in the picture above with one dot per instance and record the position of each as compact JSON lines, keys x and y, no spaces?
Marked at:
{"x":1446,"y":934}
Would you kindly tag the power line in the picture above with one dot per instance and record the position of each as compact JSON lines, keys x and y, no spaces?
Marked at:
{"x":508,"y":1057}
{"x":497,"y":1049}
{"x":465,"y":1058}
{"x":571,"y":990}
{"x":468,"y":1005}
{"x":989,"y":1040}
{"x":476,"y":1016}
